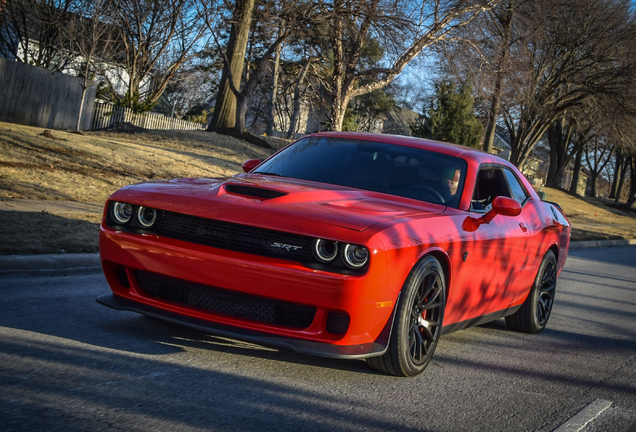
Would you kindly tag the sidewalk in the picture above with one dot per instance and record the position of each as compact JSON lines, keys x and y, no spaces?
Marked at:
{"x":65,"y":264}
{"x":31,"y":205}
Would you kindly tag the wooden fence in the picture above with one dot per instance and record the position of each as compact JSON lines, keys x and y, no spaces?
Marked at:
{"x":34,"y":96}
{"x":106,"y":115}
{"x":38,"y":97}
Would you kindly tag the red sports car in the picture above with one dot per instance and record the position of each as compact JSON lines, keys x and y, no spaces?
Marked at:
{"x":342,"y":245}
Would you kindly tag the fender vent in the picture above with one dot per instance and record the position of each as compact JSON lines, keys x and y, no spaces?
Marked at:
{"x":254,"y":192}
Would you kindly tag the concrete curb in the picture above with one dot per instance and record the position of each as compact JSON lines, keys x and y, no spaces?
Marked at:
{"x":601,"y":243}
{"x":66,"y":264}
{"x":49,"y":265}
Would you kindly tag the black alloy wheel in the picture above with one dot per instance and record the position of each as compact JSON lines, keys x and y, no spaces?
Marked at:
{"x":418,"y":322}
{"x":534,"y":313}
{"x":547,"y":288}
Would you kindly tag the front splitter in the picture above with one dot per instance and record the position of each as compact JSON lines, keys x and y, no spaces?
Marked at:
{"x":302,"y":346}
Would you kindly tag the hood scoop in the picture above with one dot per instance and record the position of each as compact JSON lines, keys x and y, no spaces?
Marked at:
{"x":253,"y":192}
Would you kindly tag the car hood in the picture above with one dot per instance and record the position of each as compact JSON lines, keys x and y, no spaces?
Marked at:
{"x":268,"y":201}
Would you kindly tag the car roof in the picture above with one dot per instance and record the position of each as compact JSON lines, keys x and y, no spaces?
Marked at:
{"x":426,"y":144}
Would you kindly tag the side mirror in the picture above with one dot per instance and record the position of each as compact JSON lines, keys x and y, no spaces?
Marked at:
{"x":506,"y":206}
{"x":250,"y":165}
{"x":500,"y":206}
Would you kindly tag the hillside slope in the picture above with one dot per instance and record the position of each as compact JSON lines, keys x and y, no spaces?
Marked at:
{"x":70,"y":176}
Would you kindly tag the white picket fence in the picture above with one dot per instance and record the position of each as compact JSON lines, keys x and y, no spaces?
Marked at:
{"x":106,"y":115}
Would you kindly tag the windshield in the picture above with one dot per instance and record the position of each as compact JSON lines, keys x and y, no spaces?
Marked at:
{"x":388,"y":168}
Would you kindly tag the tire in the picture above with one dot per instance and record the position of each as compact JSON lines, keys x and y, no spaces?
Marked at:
{"x":534,"y":313}
{"x":418,"y":322}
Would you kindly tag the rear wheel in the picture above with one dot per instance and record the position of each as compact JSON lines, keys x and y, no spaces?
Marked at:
{"x":534,"y":313}
{"x":418,"y":322}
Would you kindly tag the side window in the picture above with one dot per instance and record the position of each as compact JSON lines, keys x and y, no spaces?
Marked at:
{"x":518,"y":191}
{"x":491,"y":183}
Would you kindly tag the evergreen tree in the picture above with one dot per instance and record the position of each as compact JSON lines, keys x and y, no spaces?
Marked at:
{"x":364,"y":110}
{"x":452,"y":116}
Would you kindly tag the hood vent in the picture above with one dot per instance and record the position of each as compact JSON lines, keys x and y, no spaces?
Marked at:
{"x":254,"y":192}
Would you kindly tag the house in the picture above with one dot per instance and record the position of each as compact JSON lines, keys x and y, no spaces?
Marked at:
{"x":397,"y":121}
{"x":36,"y":42}
{"x":536,"y":166}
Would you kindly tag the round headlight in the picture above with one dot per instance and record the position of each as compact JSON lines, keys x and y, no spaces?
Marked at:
{"x":325,"y":250}
{"x":122,"y":212}
{"x":355,"y":256}
{"x":146,"y":216}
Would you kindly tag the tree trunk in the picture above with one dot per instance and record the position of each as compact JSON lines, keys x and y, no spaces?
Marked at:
{"x":576,"y":172}
{"x":515,"y":156}
{"x":338,"y":113}
{"x":632,"y":184}
{"x":618,"y":165}
{"x":241,"y":111}
{"x":271,"y":103}
{"x":555,"y":170}
{"x":559,"y":137}
{"x":225,"y":112}
{"x":78,"y":125}
{"x":491,"y":128}
{"x":621,"y":179}
{"x":338,"y":86}
{"x":293,"y":122}
{"x":594,"y":180}
{"x":619,"y":187}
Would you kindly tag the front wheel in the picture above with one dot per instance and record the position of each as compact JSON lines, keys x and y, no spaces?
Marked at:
{"x":418,"y":322}
{"x":533,"y":314}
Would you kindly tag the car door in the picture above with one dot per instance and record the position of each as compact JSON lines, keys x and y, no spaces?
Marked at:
{"x":495,"y":268}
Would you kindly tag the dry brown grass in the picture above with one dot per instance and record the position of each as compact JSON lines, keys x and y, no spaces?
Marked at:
{"x":90,"y":167}
{"x":593,"y":218}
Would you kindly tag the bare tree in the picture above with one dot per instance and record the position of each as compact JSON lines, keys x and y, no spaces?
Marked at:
{"x":557,"y":57}
{"x":598,"y":154}
{"x":571,"y":65}
{"x":299,"y":90}
{"x":91,"y":38}
{"x":621,"y":167}
{"x":189,"y":92}
{"x":158,"y":36}
{"x":624,"y":140}
{"x":224,"y":116}
{"x":576,"y":171}
{"x":632,"y":183}
{"x":502,"y":22}
{"x":273,"y":92}
{"x":31,"y":31}
{"x":243,"y":73}
{"x":405,"y":29}
{"x":567,"y":137}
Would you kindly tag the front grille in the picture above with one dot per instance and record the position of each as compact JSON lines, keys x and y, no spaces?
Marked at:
{"x":224,"y":302}
{"x":236,"y":237}
{"x":255,"y":192}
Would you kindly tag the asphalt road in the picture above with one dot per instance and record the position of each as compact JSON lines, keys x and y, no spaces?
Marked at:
{"x":67,"y":363}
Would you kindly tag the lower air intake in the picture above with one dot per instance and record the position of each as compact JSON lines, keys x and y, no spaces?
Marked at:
{"x":224,"y":302}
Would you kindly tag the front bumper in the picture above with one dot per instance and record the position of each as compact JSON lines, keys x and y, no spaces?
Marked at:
{"x":302,"y":346}
{"x":271,"y":295}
